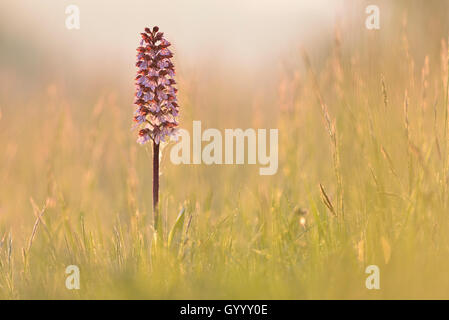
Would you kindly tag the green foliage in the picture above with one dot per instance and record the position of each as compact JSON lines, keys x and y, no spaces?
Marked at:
{"x":363,"y":179}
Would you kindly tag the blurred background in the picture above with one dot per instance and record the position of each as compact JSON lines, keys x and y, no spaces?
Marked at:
{"x":363,"y":150}
{"x":244,"y":39}
{"x":228,"y":56}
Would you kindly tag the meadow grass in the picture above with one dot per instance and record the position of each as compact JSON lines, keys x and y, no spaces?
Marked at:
{"x":362,"y":179}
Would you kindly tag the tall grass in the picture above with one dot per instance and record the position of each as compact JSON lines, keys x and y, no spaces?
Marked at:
{"x":363,"y":179}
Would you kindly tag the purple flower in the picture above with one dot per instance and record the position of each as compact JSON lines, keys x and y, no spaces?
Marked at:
{"x":156,"y":106}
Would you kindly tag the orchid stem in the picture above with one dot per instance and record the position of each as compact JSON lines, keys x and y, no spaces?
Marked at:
{"x":156,"y":185}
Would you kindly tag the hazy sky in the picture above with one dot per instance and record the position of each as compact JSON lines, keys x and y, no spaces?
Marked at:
{"x":238,"y":31}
